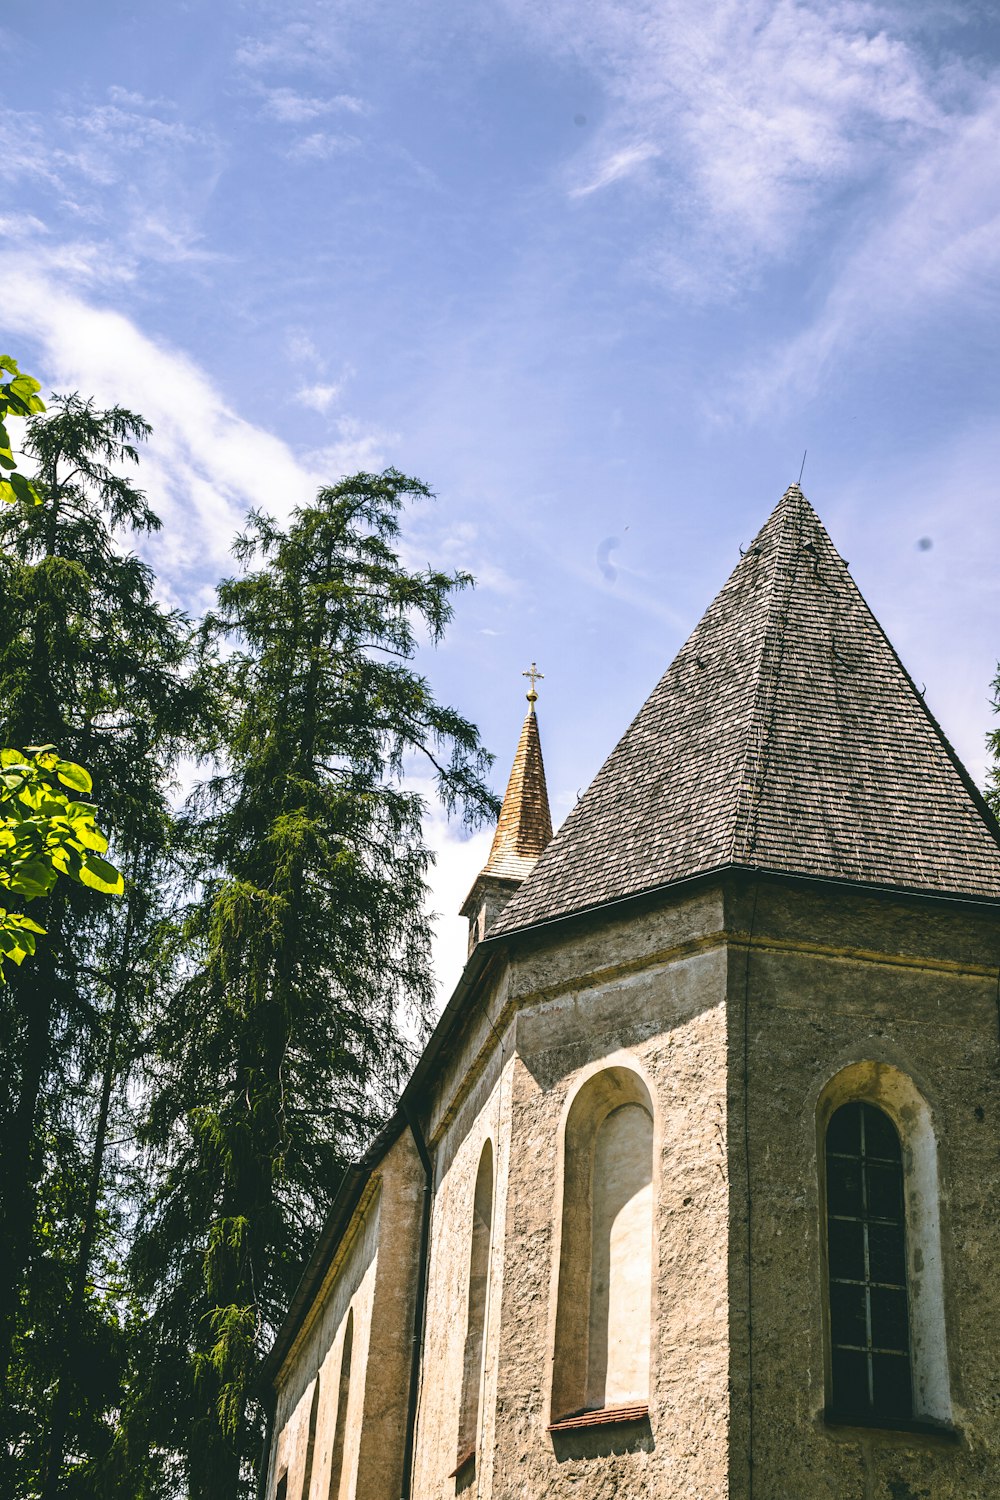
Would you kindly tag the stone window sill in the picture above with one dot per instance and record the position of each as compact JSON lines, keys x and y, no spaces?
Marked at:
{"x":901,"y":1426}
{"x":464,"y":1460}
{"x":605,"y":1417}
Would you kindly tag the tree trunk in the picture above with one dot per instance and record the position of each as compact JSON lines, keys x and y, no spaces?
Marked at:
{"x":52,"y":1470}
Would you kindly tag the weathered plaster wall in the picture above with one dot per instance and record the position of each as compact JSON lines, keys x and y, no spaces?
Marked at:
{"x":483,"y":1115}
{"x":834,"y":980}
{"x":375,"y":1277}
{"x":648,"y":995}
{"x":736,"y":1005}
{"x":350,"y":1284}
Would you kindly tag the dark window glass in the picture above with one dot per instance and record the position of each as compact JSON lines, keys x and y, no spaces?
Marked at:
{"x":869,"y":1318}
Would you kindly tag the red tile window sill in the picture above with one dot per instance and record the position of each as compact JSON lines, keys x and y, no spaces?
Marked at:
{"x":605,"y":1417}
{"x":463,"y":1459}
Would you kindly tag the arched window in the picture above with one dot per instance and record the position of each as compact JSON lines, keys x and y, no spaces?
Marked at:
{"x":337,"y":1484}
{"x":876,"y":1139}
{"x":604,"y":1311}
{"x":311,"y":1441}
{"x":866,"y":1236}
{"x":475,"y":1327}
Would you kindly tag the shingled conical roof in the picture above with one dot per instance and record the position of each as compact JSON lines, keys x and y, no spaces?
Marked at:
{"x":525,"y":825}
{"x":787,"y":736}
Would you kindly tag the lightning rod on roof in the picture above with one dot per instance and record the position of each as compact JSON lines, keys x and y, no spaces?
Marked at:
{"x":803,"y":468}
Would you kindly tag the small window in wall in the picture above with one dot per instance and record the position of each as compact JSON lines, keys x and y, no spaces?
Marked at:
{"x":866,"y":1229}
{"x":337,"y":1476}
{"x":311,"y":1442}
{"x":475,"y":1328}
{"x":604,"y":1311}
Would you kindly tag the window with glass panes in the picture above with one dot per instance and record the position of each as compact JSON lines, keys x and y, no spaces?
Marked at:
{"x":869,"y":1318}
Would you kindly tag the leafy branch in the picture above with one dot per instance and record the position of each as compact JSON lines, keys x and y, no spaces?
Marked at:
{"x":18,"y":398}
{"x":45,"y":833}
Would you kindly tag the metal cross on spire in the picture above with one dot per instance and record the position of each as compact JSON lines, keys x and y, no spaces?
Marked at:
{"x":535,"y":676}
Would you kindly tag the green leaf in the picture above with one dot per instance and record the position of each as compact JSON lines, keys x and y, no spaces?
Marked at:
{"x":24,"y":490}
{"x":100,"y":876}
{"x":73,"y":775}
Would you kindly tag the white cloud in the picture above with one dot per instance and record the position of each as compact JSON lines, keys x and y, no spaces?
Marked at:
{"x":458,"y":858}
{"x":21,"y":226}
{"x":205,"y":465}
{"x":933,"y":241}
{"x":322,"y":144}
{"x":290,"y":107}
{"x":301,"y":349}
{"x":319,"y":397}
{"x":745,"y":114}
{"x":621,"y":163}
{"x":356,"y":447}
{"x":292,"y":46}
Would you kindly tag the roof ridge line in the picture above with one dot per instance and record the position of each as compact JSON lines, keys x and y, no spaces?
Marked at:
{"x":751,"y":785}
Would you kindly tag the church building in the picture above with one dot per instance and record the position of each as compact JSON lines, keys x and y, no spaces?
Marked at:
{"x":694,"y":1192}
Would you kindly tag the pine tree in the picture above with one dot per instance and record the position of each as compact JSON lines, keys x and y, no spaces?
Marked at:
{"x":92,"y":663}
{"x":282,"y":1044}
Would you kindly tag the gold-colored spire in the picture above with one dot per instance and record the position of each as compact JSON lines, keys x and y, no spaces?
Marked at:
{"x":523,"y":831}
{"x":525,"y":825}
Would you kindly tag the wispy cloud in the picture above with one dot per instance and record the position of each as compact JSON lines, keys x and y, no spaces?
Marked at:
{"x":289,"y":46}
{"x":745,"y":117}
{"x":289,"y":107}
{"x":319,"y":145}
{"x":624,"y":162}
{"x":205,"y":464}
{"x":128,"y":169}
{"x":318,"y":397}
{"x":929,"y":244}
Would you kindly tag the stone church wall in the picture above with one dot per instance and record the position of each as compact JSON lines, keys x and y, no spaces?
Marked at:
{"x":482,"y":1117}
{"x":370,"y":1288}
{"x":646,"y":997}
{"x":746,"y":1004}
{"x":835,"y":981}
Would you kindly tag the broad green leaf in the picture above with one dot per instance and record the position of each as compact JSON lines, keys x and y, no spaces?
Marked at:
{"x":73,"y":775}
{"x":24,"y":490}
{"x":101,"y":876}
{"x":91,"y":839}
{"x":34,"y":878}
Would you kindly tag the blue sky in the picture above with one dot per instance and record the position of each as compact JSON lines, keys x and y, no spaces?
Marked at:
{"x":598,"y":271}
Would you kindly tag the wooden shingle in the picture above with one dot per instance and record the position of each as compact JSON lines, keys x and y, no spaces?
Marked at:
{"x":786,"y":735}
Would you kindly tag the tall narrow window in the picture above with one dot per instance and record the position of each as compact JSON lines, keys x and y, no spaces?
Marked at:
{"x":866,"y":1227}
{"x":604,"y":1312}
{"x":340,"y":1430}
{"x":311,"y":1442}
{"x":475,"y":1328}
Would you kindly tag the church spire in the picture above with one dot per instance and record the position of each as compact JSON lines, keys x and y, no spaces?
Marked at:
{"x":786,"y":737}
{"x":523,"y":830}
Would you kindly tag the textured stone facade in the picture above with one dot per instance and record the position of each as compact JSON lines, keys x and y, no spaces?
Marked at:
{"x":647,"y":1087}
{"x":736,"y":1005}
